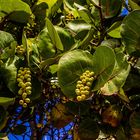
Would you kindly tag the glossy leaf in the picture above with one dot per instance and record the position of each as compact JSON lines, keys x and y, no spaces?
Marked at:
{"x":5,"y":101}
{"x":65,"y":37}
{"x":84,"y":13}
{"x":118,"y":77}
{"x":114,"y":30}
{"x":45,"y":45}
{"x":54,"y":35}
{"x":19,"y":12}
{"x":19,"y":129}
{"x":5,"y":39}
{"x":130,"y":32}
{"x":103,"y":62}
{"x":134,"y":4}
{"x":107,"y":7}
{"x":72,"y":67}
{"x":9,"y":74}
{"x":36,"y":89}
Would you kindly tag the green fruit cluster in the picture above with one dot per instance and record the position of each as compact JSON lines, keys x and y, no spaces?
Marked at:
{"x":24,"y":82}
{"x":20,"y":50}
{"x":83,"y":85}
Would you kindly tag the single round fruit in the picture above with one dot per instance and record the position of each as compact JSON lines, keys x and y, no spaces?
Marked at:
{"x":28,"y":92}
{"x":24,"y":105}
{"x":21,"y":102}
{"x":24,"y":95}
{"x":28,"y":84}
{"x":27,"y":100}
{"x":88,"y":83}
{"x":20,"y":92}
{"x":79,"y":98}
{"x":28,"y":80}
{"x":28,"y":88}
{"x":83,"y":97}
{"x":79,"y":82}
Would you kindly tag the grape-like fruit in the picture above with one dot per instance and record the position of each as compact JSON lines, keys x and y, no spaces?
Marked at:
{"x":84,"y":84}
{"x":27,"y":100}
{"x":24,"y":105}
{"x":24,"y":82}
{"x":21,"y":102}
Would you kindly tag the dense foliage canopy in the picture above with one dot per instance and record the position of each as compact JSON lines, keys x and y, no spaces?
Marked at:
{"x":70,"y":61}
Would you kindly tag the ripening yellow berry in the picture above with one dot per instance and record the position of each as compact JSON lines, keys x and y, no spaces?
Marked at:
{"x":78,"y":85}
{"x":19,"y":80}
{"x":91,"y":73}
{"x":28,"y":84}
{"x":21,"y":77}
{"x":83,"y":81}
{"x":87,"y":88}
{"x":24,"y":105}
{"x":88,"y":83}
{"x":81,"y":88}
{"x":28,"y":88}
{"x":77,"y":91}
{"x":87,"y":92}
{"x":28,"y":92}
{"x":24,"y":95}
{"x":28,"y":80}
{"x":83,"y":97}
{"x":79,"y":98}
{"x":27,"y":100}
{"x":21,"y":102}
{"x":79,"y":82}
{"x":82,"y":77}
{"x":87,"y":71}
{"x":20,"y":92}
{"x":28,"y":72}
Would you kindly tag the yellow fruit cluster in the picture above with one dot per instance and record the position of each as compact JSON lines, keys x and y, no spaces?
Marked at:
{"x":24,"y":82}
{"x":83,"y":85}
{"x":20,"y":50}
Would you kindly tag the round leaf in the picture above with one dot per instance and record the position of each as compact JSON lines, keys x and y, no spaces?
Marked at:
{"x":130,"y":32}
{"x":71,"y":66}
{"x":17,"y":10}
{"x":118,"y":77}
{"x":103,"y":62}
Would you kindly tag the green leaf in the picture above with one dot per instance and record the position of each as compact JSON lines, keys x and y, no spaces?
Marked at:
{"x":16,"y":10}
{"x":78,"y":26}
{"x":130,"y":32}
{"x":66,"y":38}
{"x":3,"y":117}
{"x":45,"y":46}
{"x":55,"y":8}
{"x":107,"y":7}
{"x":114,"y":30}
{"x":9,"y":73}
{"x":4,"y":101}
{"x":36,"y":89}
{"x":134,"y":4}
{"x":88,"y":130}
{"x":5,"y":39}
{"x":103,"y":64}
{"x":84,"y":13}
{"x":72,"y":67}
{"x":54,"y":35}
{"x":108,"y":10}
{"x":19,"y":129}
{"x":118,"y":77}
